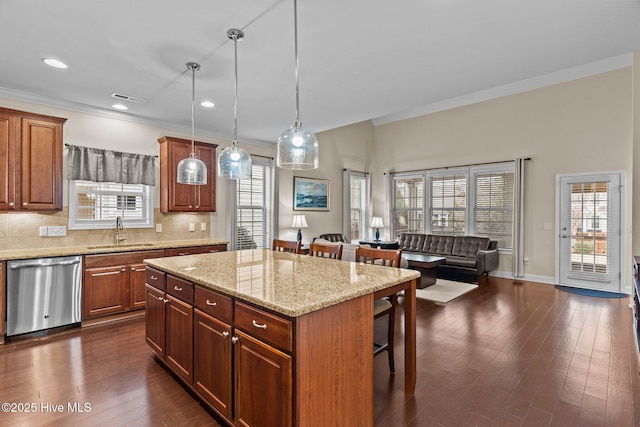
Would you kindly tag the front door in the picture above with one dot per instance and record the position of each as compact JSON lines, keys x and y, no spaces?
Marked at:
{"x":589,"y":238}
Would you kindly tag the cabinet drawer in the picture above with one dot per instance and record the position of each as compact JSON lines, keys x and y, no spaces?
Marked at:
{"x":156,"y":278}
{"x":180,"y":288}
{"x":265,"y":326}
{"x":214,"y":304}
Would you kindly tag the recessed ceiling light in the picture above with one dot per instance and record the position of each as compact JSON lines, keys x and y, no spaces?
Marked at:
{"x":207,"y":104}
{"x":120,"y":107}
{"x":54,"y":63}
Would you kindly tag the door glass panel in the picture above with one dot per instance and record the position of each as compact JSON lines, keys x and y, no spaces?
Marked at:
{"x":589,"y":242}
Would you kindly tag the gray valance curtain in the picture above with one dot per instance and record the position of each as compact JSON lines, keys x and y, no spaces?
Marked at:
{"x":97,"y":165}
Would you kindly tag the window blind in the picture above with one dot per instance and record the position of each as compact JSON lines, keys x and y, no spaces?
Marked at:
{"x":448,"y":203}
{"x":253,"y":207}
{"x":408,"y":204}
{"x":494,"y":198}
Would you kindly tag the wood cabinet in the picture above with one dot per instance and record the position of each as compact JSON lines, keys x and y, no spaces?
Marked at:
{"x":115,"y":283}
{"x":30,"y":162}
{"x":195,"y":250}
{"x":239,"y":373}
{"x":175,"y":197}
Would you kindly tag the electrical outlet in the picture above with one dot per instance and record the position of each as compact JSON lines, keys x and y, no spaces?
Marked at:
{"x":192,"y":227}
{"x":44,"y":231}
{"x":203,"y":226}
{"x":158,"y":228}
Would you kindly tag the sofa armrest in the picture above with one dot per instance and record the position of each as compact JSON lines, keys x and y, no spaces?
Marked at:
{"x":487,"y":261}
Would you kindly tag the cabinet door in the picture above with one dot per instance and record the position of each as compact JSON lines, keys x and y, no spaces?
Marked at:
{"x":179,"y":338}
{"x":181,"y":196}
{"x":41,"y":165}
{"x":155,"y":320}
{"x":7,"y":162}
{"x":105,"y":291}
{"x":263,"y":383}
{"x":206,"y":194}
{"x":137,"y":282}
{"x":212,"y":375}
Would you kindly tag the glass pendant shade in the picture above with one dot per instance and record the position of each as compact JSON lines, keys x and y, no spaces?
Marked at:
{"x":192,"y":170}
{"x":234,"y":163}
{"x":297,"y":149}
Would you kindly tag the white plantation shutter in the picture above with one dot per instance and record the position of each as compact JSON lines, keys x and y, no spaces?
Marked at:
{"x":494,"y":198}
{"x":407,"y":213}
{"x":448,"y":203}
{"x":253,"y":207}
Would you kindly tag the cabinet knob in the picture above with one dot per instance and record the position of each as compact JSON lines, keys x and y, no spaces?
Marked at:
{"x":133,"y":269}
{"x":160,"y":298}
{"x":11,"y":204}
{"x":234,"y":340}
{"x":197,"y":206}
{"x":225,"y":334}
{"x":25,"y":204}
{"x":190,"y":206}
{"x":166,"y":300}
{"x":124,"y":269}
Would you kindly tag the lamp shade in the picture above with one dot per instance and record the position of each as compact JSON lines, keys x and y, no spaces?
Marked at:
{"x":376,"y":222}
{"x":192,"y":171}
{"x":234,"y":163}
{"x":299,"y":221}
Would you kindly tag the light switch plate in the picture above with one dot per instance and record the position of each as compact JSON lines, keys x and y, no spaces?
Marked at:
{"x":158,"y":228}
{"x":203,"y":226}
{"x":192,"y":227}
{"x":44,"y":231}
{"x":57,"y":231}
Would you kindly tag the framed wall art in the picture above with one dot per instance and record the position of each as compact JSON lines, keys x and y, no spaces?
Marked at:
{"x":311,"y":194}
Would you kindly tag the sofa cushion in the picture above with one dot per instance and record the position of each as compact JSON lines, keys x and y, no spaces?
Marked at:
{"x":461,"y":261}
{"x":440,"y":245}
{"x":413,"y":242}
{"x":468,"y":246}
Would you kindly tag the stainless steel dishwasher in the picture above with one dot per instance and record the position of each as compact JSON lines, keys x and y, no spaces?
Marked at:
{"x":43,"y":293}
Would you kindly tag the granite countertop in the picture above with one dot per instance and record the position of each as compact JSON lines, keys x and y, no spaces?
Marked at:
{"x":288,"y":284}
{"x":103,"y":249}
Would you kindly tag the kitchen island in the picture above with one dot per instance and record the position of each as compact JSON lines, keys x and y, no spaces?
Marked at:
{"x":269,"y":338}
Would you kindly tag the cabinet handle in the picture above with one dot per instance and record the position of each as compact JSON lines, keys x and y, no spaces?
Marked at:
{"x":214,"y":250}
{"x":166,"y":300}
{"x":124,"y":269}
{"x":176,"y":288}
{"x":11,"y":204}
{"x":133,"y":269}
{"x":25,"y":204}
{"x":225,"y":334}
{"x":197,"y":206}
{"x":183,"y":253}
{"x":160,"y":298}
{"x":153,"y":278}
{"x":212,"y":304}
{"x":258,"y":325}
{"x":234,"y":340}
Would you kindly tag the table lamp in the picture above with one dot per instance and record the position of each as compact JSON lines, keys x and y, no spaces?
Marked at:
{"x":376,"y":222}
{"x":299,"y":222}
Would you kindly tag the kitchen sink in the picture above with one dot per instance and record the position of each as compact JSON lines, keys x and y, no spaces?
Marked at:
{"x":121,"y":245}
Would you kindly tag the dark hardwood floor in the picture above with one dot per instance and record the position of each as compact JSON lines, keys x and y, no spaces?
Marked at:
{"x":507,"y":354}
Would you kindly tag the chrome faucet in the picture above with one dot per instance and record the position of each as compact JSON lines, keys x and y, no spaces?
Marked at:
{"x":119,"y":227}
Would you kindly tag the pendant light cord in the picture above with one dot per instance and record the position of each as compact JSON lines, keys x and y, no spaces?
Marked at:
{"x":193,"y":110}
{"x":295,"y":42}
{"x":235,"y":105}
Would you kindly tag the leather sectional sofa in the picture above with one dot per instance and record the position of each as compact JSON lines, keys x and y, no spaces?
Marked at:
{"x":467,"y":255}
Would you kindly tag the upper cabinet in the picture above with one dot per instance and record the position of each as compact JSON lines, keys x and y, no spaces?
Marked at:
{"x":176,"y":197}
{"x":30,"y":161}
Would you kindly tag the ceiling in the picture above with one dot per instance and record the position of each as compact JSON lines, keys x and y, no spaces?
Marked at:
{"x":358,"y":59}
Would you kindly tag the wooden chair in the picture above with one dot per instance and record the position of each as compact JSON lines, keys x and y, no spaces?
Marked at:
{"x":326,"y":251}
{"x":385,"y":306}
{"x":287,"y":246}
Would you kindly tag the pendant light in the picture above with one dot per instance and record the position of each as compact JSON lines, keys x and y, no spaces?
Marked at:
{"x":192,"y":170}
{"x":297,"y":147}
{"x":234,"y":162}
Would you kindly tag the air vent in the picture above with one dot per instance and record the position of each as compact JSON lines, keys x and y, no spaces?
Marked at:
{"x":127,"y":97}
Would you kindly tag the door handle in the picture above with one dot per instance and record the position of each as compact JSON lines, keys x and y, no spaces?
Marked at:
{"x":564,"y":236}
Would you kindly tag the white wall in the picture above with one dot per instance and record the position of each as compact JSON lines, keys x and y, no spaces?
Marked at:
{"x":580,"y":126}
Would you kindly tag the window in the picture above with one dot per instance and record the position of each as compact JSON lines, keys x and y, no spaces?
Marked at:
{"x":253,"y":207}
{"x":357,"y":191}
{"x":494,"y":198}
{"x":448,"y":203}
{"x":95,"y":205}
{"x":408,"y":204}
{"x":475,"y":200}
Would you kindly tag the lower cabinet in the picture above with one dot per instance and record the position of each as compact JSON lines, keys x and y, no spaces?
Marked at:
{"x":243,"y":378}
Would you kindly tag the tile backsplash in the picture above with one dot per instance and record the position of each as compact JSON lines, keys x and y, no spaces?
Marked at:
{"x":22,"y":230}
